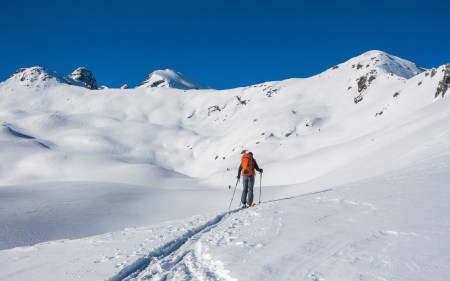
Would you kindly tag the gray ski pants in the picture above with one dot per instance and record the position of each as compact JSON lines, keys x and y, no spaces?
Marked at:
{"x":247,"y":193}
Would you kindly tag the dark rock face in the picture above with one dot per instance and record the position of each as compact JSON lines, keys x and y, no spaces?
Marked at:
{"x":362,"y":85}
{"x":241,"y":101}
{"x":158,"y":83}
{"x":444,"y":83}
{"x":364,"y":82}
{"x":85,"y":76}
{"x":433,"y":72}
{"x":214,"y":108}
{"x":358,"y":98}
{"x":371,"y":78}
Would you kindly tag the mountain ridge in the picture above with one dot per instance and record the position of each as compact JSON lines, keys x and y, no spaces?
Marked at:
{"x":364,"y":65}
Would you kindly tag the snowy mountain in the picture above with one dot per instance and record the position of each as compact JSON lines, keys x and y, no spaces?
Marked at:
{"x":381,"y":62}
{"x":85,"y":76}
{"x":170,"y":79}
{"x":38,"y":77}
{"x":133,"y":184}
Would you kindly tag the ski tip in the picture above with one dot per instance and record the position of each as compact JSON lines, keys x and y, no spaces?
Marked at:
{"x":254,"y":204}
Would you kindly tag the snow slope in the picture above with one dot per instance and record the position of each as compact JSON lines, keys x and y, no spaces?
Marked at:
{"x":389,"y":228}
{"x":355,"y":168}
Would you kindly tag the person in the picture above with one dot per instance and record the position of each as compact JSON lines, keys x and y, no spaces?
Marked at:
{"x":247,"y":169}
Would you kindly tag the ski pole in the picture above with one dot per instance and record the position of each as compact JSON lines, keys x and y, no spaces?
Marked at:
{"x":260,"y":179}
{"x":233,"y":193}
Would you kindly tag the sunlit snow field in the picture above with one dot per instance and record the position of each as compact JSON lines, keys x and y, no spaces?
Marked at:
{"x":134,"y":184}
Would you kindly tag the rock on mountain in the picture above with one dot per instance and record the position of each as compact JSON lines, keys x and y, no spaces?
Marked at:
{"x":85,"y":76}
{"x":444,"y":84}
{"x":171,"y":79}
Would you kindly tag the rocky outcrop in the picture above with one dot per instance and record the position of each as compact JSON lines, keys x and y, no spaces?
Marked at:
{"x":364,"y":81}
{"x":85,"y":76}
{"x":358,"y":98}
{"x":444,"y":83}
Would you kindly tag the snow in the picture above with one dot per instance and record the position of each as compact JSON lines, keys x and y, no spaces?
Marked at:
{"x":169,"y":78}
{"x":37,"y":77}
{"x":133,"y":183}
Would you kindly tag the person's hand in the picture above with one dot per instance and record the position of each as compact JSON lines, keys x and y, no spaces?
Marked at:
{"x":261,"y":170}
{"x":238,"y":177}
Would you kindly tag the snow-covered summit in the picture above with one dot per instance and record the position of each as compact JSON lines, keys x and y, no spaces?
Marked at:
{"x":382,"y":62}
{"x":85,"y":76}
{"x":38,"y":77}
{"x":171,"y":79}
{"x":356,"y":75}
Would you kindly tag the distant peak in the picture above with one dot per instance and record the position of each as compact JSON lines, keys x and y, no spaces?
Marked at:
{"x":169,"y":78}
{"x":38,"y":77}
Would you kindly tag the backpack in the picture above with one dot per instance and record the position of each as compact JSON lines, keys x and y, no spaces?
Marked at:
{"x":247,"y":165}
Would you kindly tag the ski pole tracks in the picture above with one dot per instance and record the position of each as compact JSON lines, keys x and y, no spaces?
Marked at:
{"x":167,"y":249}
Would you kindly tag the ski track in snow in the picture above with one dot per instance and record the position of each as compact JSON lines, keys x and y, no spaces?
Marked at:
{"x":185,"y":256}
{"x":158,"y":263}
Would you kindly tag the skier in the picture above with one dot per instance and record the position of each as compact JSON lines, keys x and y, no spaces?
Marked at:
{"x":247,"y":168}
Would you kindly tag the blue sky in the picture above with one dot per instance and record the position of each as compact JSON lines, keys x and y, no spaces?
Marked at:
{"x":221,"y":43}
